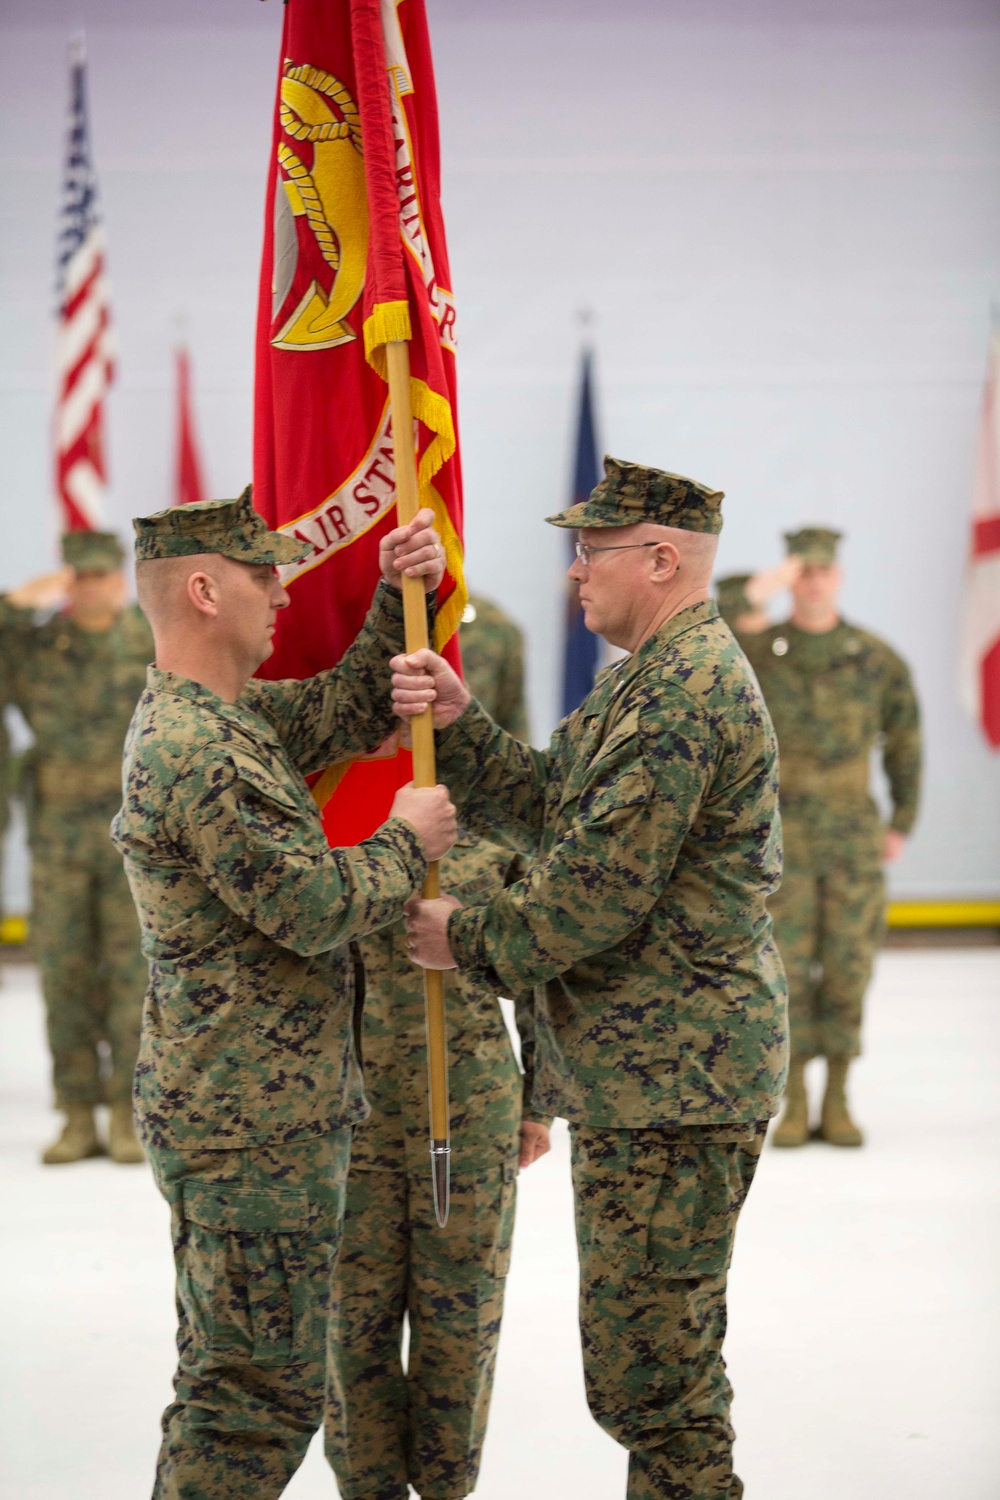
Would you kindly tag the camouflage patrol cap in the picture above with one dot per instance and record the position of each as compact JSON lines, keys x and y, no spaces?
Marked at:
{"x":231,"y":527}
{"x":92,"y":551}
{"x":629,"y":493}
{"x":731,"y":594}
{"x":814,"y":544}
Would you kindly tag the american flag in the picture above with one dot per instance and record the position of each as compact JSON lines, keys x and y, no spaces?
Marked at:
{"x":84,"y":348}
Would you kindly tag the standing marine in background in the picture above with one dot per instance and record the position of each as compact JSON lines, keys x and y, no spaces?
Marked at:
{"x":835,"y":693}
{"x":493,"y":663}
{"x":76,"y":678}
{"x":387,"y":1428}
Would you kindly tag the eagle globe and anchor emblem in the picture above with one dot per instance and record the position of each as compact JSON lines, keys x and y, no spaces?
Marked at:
{"x":321,"y":183}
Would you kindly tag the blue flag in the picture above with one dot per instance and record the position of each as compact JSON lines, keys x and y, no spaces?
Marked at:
{"x":581,"y":652}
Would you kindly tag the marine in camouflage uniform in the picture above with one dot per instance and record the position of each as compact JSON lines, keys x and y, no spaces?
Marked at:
{"x":652,"y":825}
{"x":731,"y":597}
{"x":385,"y":1428}
{"x":76,"y":687}
{"x":247,"y":1084}
{"x":834,"y":696}
{"x":493,"y":663}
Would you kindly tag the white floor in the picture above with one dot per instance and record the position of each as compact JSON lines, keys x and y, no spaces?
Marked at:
{"x":864,"y":1311}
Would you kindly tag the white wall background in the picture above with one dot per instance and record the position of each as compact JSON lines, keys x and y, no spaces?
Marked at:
{"x":785,"y":217}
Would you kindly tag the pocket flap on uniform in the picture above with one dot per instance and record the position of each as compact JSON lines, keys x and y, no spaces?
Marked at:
{"x":247,"y":1210}
{"x":263,"y":780}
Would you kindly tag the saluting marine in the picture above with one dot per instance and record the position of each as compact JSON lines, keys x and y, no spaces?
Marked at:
{"x":385,"y":1428}
{"x":651,"y":822}
{"x":76,"y":678}
{"x":836,"y":693}
{"x":247,"y":1084}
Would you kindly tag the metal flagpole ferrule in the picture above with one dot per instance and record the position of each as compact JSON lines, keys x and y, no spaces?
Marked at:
{"x":441,"y":1178}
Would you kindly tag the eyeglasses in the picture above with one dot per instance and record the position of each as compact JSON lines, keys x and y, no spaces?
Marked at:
{"x":585,"y":552}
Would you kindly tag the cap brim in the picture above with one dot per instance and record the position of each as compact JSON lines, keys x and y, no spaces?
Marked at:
{"x":587,"y":515}
{"x":275,"y":550}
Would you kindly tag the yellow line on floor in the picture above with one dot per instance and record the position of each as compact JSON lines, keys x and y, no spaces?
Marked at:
{"x":944,"y":914}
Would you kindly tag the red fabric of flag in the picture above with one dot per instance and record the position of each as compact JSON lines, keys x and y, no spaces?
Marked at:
{"x":354,"y":255}
{"x":980,"y":664}
{"x":188,"y":470}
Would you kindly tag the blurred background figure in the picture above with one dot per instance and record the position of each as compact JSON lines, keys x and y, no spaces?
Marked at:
{"x":76,"y":675}
{"x":836,"y":693}
{"x":493,"y":663}
{"x":743,"y":597}
{"x":386,"y":1428}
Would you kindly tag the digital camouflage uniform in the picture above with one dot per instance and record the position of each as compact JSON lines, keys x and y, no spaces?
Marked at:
{"x":834,"y":698}
{"x":386,"y":1428}
{"x":247,"y":1083}
{"x":652,"y":825}
{"x":76,"y":689}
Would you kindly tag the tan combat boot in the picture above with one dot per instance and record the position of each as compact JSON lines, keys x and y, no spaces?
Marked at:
{"x":123,"y":1145}
{"x":78,"y":1139}
{"x":836,"y":1126}
{"x":794,"y":1127}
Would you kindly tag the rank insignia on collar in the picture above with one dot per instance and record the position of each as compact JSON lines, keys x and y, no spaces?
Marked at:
{"x":779,"y":646}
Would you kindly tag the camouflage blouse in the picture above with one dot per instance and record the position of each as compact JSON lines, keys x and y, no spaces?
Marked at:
{"x":653,"y":825}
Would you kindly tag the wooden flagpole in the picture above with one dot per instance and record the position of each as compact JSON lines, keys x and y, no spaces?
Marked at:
{"x":424,"y":771}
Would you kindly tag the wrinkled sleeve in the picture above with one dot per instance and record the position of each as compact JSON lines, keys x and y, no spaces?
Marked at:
{"x":902,"y":747}
{"x":497,"y":782}
{"x":614,"y":852}
{"x":268,"y":861}
{"x":346,"y":711}
{"x":524,"y":1018}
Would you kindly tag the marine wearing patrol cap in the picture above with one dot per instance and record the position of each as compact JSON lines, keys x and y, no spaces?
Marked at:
{"x":731,"y":596}
{"x":92,"y":551}
{"x":231,"y":527}
{"x":630,"y":493}
{"x":814,"y":544}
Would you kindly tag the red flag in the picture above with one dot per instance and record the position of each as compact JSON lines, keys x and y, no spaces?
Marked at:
{"x":190,"y":481}
{"x":354,"y":256}
{"x":84,"y":343}
{"x":980,"y":668}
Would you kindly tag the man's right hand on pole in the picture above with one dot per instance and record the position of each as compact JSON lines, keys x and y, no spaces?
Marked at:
{"x":423,"y":677}
{"x":431,"y":813}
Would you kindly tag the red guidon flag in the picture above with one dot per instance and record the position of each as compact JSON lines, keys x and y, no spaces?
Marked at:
{"x":189,"y":488}
{"x":354,"y":256}
{"x":980,"y":666}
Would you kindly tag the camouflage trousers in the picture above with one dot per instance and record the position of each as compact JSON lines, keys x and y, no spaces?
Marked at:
{"x":256,"y":1234}
{"x":85,"y":935}
{"x":828,"y":925}
{"x":387,"y":1428}
{"x":656,"y":1214}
